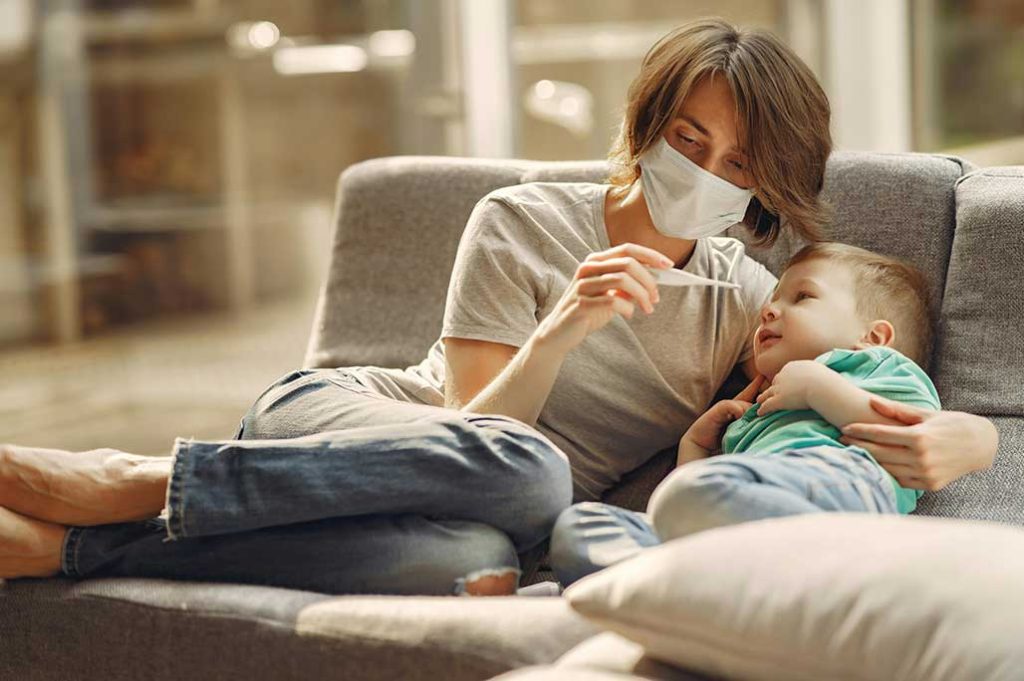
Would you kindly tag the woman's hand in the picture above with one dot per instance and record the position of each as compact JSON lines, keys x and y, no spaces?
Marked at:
{"x":705,"y":435}
{"x":609,"y":282}
{"x":931,"y":449}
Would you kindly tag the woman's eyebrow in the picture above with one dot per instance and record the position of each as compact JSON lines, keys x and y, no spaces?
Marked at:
{"x":704,"y":131}
{"x":695,"y":123}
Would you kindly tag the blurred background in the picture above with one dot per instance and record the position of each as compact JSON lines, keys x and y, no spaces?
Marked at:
{"x":167,"y":167}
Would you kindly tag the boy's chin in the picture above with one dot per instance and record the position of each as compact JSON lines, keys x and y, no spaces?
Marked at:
{"x":767,"y":368}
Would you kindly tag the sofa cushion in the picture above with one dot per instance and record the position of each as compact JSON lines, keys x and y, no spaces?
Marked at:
{"x":824,"y":596}
{"x":614,"y":653}
{"x":980,"y":363}
{"x":567,"y":171}
{"x":397,"y":225}
{"x":551,"y":673}
{"x":902,"y":205}
{"x":152,"y":629}
{"x":409,"y":212}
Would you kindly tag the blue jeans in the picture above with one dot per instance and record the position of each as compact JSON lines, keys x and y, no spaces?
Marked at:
{"x":332,"y":487}
{"x":721,"y":490}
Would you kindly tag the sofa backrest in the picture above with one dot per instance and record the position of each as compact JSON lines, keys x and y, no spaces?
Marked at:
{"x":979,"y":365}
{"x":980,"y":362}
{"x":398,"y":223}
{"x":397,"y":226}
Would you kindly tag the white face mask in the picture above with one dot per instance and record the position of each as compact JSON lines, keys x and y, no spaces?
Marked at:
{"x":686,"y":201}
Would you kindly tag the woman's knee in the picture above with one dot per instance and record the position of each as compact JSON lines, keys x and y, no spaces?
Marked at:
{"x":276,"y":413}
{"x":410,"y":555}
{"x":485,"y":562}
{"x":532,"y":466}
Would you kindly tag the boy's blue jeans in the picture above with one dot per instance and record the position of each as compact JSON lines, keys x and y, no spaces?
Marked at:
{"x":332,"y":487}
{"x":721,"y":490}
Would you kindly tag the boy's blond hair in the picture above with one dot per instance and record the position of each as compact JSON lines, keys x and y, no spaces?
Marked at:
{"x":886,"y":288}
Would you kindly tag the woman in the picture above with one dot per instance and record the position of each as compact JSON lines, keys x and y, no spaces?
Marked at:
{"x":430,"y":480}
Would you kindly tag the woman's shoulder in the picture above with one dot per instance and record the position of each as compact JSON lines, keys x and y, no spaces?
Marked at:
{"x":559,"y":211}
{"x":552,"y":195}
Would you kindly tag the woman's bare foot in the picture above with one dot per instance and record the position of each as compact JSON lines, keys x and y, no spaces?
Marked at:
{"x":28,"y":547}
{"x":82,"y":488}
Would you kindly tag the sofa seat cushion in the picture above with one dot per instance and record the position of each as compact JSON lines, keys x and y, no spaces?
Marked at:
{"x":152,"y":629}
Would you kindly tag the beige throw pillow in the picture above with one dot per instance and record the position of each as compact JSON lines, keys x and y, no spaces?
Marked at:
{"x":829,"y":596}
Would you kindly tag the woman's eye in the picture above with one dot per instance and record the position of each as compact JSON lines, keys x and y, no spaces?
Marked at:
{"x":688,"y":140}
{"x":803,"y":294}
{"x":737,"y":165}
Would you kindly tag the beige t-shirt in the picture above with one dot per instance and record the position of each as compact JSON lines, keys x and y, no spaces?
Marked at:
{"x":631,"y":388}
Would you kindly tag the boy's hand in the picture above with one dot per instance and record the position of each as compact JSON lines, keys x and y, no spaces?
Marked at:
{"x":791,"y":386}
{"x":705,"y":435}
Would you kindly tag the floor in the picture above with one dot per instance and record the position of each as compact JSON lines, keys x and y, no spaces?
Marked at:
{"x":138,"y":389}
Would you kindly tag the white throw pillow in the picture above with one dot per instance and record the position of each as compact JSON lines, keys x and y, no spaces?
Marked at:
{"x":827,"y":596}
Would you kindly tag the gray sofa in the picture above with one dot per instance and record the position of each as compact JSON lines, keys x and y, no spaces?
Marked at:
{"x":964,"y":229}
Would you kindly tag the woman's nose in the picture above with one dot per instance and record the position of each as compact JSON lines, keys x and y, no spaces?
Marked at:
{"x":713,"y":164}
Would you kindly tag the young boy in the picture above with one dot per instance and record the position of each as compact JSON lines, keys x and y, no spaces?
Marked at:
{"x":843,"y":324}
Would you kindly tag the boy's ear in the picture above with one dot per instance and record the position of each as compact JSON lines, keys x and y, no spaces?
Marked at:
{"x":880,"y":333}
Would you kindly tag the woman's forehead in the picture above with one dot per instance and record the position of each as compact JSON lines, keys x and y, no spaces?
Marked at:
{"x":711,"y":109}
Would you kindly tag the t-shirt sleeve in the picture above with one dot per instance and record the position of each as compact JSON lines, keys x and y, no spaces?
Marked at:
{"x":499,"y":279}
{"x":888,"y":373}
{"x":757,"y":284}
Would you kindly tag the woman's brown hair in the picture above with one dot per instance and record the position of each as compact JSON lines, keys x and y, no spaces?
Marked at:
{"x":782,"y":118}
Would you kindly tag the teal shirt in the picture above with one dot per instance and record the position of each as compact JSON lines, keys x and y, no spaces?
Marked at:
{"x":878,"y":370}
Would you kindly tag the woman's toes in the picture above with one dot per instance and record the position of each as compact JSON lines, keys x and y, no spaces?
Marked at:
{"x":29,"y":547}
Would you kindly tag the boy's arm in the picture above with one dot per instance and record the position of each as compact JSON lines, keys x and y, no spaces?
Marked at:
{"x":840,"y":402}
{"x":806,"y":384}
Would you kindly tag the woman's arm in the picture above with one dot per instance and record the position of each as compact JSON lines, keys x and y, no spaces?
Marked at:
{"x":521,"y":387}
{"x":470,"y":365}
{"x":608,"y":283}
{"x":921,"y":448}
{"x":928,"y":449}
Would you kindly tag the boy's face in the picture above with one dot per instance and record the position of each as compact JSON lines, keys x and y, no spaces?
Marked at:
{"x":812,"y":311}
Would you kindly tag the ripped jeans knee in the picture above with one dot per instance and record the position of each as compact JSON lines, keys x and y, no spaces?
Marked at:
{"x":502,"y":581}
{"x":485,"y":564}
